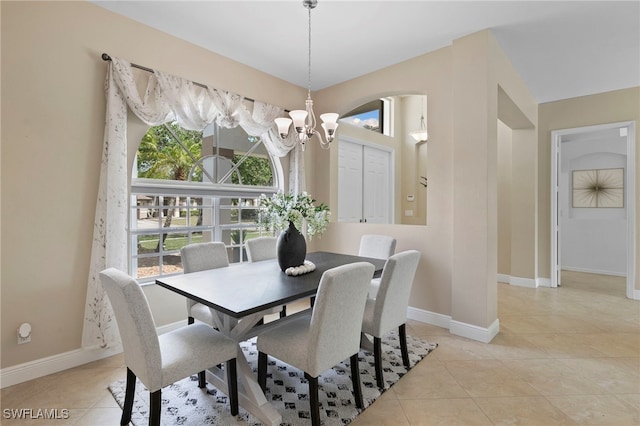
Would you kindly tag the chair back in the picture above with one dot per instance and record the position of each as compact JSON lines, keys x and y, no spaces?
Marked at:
{"x":336,"y":321}
{"x":136,"y":325}
{"x":392,"y":300}
{"x":377,"y":246}
{"x":261,"y":248}
{"x":201,"y":256}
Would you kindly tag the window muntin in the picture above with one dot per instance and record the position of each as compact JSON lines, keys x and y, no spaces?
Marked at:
{"x":195,"y":187}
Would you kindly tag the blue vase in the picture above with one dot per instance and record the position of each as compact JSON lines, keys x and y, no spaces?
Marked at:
{"x":292,"y":248}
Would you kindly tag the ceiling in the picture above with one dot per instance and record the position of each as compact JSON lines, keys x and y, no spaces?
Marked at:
{"x":561,"y":49}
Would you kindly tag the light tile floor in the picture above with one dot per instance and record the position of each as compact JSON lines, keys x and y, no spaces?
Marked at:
{"x":563,"y":356}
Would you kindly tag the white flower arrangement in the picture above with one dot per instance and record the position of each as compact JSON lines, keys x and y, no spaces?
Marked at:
{"x":281,"y":208}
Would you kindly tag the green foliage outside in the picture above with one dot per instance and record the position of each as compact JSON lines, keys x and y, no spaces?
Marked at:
{"x":160,"y":156}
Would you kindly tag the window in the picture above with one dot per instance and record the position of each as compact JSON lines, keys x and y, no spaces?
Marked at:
{"x":191,"y":187}
{"x":374,"y":116}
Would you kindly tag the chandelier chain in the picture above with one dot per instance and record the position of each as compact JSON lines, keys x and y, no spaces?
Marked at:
{"x":309,"y":59}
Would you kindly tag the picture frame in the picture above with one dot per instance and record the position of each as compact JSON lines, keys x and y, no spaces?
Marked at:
{"x":598,"y":188}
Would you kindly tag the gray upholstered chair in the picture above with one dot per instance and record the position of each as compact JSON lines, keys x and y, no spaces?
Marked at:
{"x":378,"y":247}
{"x":199,"y":257}
{"x":389,"y":309}
{"x":317,"y":341}
{"x":263,"y":248}
{"x":160,"y":360}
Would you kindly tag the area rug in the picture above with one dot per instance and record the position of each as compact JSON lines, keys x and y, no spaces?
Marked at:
{"x":183,"y":403}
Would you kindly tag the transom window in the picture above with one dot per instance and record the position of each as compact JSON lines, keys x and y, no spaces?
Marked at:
{"x":375,"y":116}
{"x":191,"y":187}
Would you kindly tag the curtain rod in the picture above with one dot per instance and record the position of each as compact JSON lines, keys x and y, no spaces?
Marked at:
{"x":106,"y":57}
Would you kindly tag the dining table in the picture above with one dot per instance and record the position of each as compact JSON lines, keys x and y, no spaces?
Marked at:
{"x":239,"y":295}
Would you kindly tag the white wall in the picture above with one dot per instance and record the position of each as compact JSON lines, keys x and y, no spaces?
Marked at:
{"x":592,"y":239}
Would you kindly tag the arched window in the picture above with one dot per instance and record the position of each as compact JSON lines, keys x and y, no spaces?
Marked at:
{"x":190,"y":187}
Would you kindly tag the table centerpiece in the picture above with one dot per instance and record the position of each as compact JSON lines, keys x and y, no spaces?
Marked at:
{"x":291,"y":214}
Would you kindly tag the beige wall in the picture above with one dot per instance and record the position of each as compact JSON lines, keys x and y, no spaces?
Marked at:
{"x":505,"y":136}
{"x":457,"y":273}
{"x":53,"y":121}
{"x":610,"y":107}
{"x":430,"y":74}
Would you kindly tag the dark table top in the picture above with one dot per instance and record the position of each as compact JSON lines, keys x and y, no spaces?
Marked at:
{"x":249,"y":287}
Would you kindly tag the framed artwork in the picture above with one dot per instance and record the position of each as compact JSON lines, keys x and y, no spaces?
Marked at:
{"x":598,"y":188}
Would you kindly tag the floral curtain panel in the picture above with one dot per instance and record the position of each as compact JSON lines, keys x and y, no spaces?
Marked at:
{"x":166,"y":98}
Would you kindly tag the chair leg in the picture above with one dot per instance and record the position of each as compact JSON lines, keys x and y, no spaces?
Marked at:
{"x":313,"y":399}
{"x":355,"y":378}
{"x":377,"y":356}
{"x":262,"y":371}
{"x":155,"y":403}
{"x":403,"y":345}
{"x":202,"y":380}
{"x":232,"y":380}
{"x":128,"y":398}
{"x":283,"y":312}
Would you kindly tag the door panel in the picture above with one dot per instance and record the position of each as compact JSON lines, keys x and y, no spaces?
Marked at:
{"x":349,"y":182}
{"x":376,"y":166}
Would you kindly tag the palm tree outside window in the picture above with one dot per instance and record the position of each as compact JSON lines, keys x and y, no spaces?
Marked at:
{"x":192,"y":186}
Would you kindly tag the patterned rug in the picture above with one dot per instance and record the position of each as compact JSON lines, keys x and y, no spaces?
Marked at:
{"x":183,"y":403}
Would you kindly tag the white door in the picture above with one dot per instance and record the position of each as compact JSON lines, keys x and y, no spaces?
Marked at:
{"x":365,"y":183}
{"x":376,"y":170}
{"x":349,"y":182}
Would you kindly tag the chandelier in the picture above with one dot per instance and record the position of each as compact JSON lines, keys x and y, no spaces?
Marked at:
{"x":304,"y":121}
{"x":421,"y":135}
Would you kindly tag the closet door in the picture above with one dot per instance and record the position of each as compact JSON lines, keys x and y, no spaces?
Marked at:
{"x":349,"y":182}
{"x":376,"y":199}
{"x":364,"y":183}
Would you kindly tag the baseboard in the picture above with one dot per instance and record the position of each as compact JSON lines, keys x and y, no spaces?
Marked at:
{"x":523,"y":282}
{"x":484,"y":335}
{"x":504,"y":278}
{"x":517,"y":281}
{"x":470,"y":331}
{"x":429,"y":317}
{"x":636,"y":294}
{"x":593,"y":271}
{"x":43,"y":367}
{"x":53,"y":364}
{"x":543,"y":282}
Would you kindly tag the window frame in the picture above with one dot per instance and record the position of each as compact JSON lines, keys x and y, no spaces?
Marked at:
{"x":188,"y":190}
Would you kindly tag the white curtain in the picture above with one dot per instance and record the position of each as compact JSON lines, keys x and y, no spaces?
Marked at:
{"x":166,"y":98}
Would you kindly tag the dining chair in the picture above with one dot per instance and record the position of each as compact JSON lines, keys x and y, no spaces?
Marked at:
{"x":263,"y":248}
{"x":378,"y":247}
{"x":160,"y":360}
{"x":317,"y":341}
{"x":389,"y":309}
{"x":199,"y":257}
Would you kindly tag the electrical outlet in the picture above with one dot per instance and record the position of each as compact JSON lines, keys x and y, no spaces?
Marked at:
{"x":24,"y":333}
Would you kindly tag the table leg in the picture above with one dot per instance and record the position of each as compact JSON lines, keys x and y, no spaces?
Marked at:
{"x":250,"y":395}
